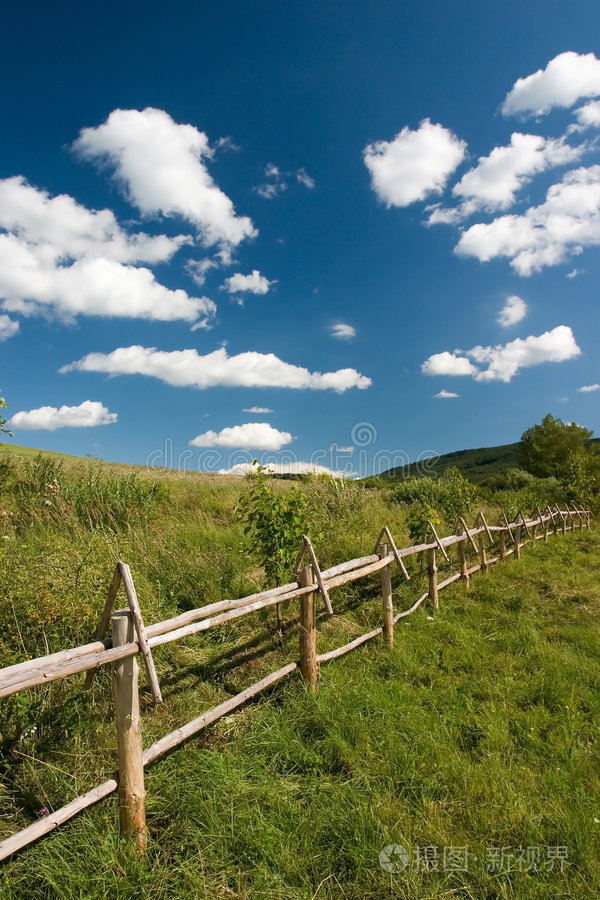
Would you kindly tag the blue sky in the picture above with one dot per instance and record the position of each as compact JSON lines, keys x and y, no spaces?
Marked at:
{"x":341,"y":213}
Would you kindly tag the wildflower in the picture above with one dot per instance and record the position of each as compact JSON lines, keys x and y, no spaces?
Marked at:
{"x":43,"y":811}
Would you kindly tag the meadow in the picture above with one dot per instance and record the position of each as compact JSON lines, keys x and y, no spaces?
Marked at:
{"x":473,"y":744}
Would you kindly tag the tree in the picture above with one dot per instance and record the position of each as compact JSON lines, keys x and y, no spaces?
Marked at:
{"x":549,"y":448}
{"x":275,"y":524}
{"x":3,"y":405}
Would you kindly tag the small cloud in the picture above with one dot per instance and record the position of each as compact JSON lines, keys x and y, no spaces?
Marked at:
{"x":588,"y":388}
{"x":252,"y":435}
{"x":574,"y":273}
{"x":278,"y":181}
{"x":304,"y":178}
{"x":259,"y":410}
{"x":414,"y":164}
{"x":48,"y":418}
{"x":343,"y":332}
{"x":447,"y":363}
{"x":255,"y":283}
{"x":512,"y":312}
{"x":8,"y":327}
{"x":445,"y":395}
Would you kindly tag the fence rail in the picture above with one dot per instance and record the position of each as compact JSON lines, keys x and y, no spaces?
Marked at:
{"x":131,"y":637}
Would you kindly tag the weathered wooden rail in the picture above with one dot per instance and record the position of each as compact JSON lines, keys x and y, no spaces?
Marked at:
{"x":131,"y":637}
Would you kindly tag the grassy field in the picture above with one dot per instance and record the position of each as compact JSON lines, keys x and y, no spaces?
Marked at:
{"x":473,"y":744}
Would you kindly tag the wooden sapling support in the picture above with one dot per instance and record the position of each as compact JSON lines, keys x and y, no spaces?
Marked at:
{"x":307,"y":547}
{"x":481,"y":539}
{"x":502,"y":544}
{"x":308,"y":635}
{"x":132,"y":796}
{"x":387,"y":606}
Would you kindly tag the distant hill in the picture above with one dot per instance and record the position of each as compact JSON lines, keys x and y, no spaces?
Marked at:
{"x":16,"y":450}
{"x":473,"y":464}
{"x":476,"y":465}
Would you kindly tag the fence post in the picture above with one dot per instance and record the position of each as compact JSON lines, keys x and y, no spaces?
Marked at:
{"x":386,"y":597}
{"x":132,"y":796}
{"x":308,"y":634}
{"x":502,"y":544}
{"x":432,"y":572}
{"x":462,"y":558}
{"x":482,"y":553}
{"x":517,"y":540}
{"x":545,"y":531}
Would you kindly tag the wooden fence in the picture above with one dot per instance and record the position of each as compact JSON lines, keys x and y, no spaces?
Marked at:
{"x":131,"y":637}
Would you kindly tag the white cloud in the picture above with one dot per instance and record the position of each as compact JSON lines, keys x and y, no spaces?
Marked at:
{"x":544,"y":235}
{"x":255,"y":283}
{"x":588,"y":388}
{"x":505,"y":360}
{"x":445,"y":395}
{"x":286,"y":468}
{"x":588,"y":116}
{"x":48,"y":418}
{"x":304,"y":178}
{"x":251,"y":436}
{"x":161,"y":168}
{"x":414,"y":164}
{"x":259,"y":410}
{"x":512,"y":312}
{"x":567,"y":78}
{"x":447,"y":363}
{"x":56,"y":255}
{"x":493,"y":183}
{"x":278,"y":183}
{"x":186,"y":368}
{"x":343,"y":332}
{"x":574,"y":273}
{"x":8,"y":327}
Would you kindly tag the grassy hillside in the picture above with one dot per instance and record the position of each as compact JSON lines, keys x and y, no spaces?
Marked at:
{"x":478,"y":731}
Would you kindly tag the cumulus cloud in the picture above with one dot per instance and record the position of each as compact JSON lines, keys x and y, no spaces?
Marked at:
{"x":544,"y":235}
{"x":57,"y":255}
{"x":343,"y":332}
{"x":588,"y":388}
{"x":512,"y":312}
{"x":414,"y":164}
{"x":8,"y":327}
{"x":505,"y":360}
{"x":574,"y":273}
{"x":259,"y":410}
{"x":285,"y":468}
{"x":161,"y":168}
{"x":445,"y":395}
{"x":251,"y":436}
{"x":588,"y":116}
{"x":186,"y":368}
{"x":447,"y":363}
{"x":255,"y":283}
{"x":567,"y":78}
{"x":48,"y":418}
{"x":493,"y":183}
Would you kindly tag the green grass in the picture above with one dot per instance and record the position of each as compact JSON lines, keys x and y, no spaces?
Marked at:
{"x":479,"y":730}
